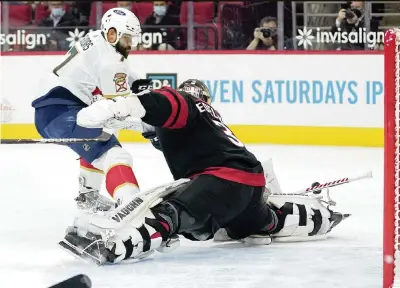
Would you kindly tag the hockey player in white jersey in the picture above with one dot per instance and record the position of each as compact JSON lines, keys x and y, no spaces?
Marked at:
{"x":95,"y":69}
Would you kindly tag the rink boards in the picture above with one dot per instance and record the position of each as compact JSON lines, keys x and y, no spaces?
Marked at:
{"x":286,"y":98}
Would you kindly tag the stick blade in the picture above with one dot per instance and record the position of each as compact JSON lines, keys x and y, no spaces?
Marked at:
{"x":78,"y":281}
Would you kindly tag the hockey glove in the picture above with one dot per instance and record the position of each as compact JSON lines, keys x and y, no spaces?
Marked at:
{"x":152,"y":136}
{"x":116,"y":109}
{"x":141,"y":85}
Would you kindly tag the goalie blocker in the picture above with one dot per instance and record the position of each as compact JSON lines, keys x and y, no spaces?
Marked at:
{"x":226,"y":190}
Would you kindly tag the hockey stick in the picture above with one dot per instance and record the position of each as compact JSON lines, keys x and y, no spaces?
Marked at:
{"x":78,"y":281}
{"x":332,"y":184}
{"x":61,"y":141}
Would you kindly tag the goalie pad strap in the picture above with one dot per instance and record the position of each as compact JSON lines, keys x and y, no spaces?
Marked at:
{"x":129,"y":248}
{"x":146,"y":238}
{"x":317,"y":219}
{"x":302,"y":215}
{"x":156,"y":224}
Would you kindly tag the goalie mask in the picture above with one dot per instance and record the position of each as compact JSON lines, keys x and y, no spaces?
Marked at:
{"x":197,"y":89}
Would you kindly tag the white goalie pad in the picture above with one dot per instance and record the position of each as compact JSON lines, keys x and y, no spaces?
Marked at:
{"x":92,"y":233}
{"x":309,"y":219}
{"x":131,"y":213}
{"x":316,"y":221}
{"x":272,"y":185}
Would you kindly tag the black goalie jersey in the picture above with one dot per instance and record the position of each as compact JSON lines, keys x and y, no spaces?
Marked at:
{"x":195,"y":141}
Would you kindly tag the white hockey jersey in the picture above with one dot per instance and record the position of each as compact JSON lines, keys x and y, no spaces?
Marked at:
{"x":90,"y":68}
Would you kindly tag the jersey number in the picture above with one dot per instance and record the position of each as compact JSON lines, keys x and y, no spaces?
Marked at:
{"x":229,"y":134}
{"x":69,"y":56}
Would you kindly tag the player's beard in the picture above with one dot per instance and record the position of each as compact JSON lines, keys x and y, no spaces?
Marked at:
{"x":123,"y":50}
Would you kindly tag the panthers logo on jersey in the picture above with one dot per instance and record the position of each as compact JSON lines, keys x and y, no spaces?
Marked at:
{"x":121,"y":84}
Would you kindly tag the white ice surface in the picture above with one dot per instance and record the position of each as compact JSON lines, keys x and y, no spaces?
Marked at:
{"x":39,"y":182}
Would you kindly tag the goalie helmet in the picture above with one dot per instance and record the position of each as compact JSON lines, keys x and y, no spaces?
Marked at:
{"x":124,"y":22}
{"x":196,"y":88}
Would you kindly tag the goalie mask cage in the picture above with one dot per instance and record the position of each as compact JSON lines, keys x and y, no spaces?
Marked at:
{"x":391,"y":226}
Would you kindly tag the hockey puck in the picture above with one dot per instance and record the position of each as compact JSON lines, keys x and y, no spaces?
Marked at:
{"x":78,"y":281}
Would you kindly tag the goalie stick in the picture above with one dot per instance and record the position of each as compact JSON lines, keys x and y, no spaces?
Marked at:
{"x":61,"y":141}
{"x":337,"y":182}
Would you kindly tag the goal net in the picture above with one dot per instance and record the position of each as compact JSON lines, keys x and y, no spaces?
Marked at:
{"x":391,"y":241}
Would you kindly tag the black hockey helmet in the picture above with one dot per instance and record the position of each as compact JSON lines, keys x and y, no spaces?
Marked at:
{"x":196,"y":88}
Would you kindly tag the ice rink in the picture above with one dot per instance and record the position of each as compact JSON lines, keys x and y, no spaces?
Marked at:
{"x":39,"y":182}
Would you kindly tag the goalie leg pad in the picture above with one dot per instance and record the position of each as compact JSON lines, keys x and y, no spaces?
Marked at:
{"x":272,"y":185}
{"x":300,"y":218}
{"x":132,"y":225}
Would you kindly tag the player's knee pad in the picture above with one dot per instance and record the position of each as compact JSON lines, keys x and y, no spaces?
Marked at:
{"x":121,"y":182}
{"x":115,"y":156}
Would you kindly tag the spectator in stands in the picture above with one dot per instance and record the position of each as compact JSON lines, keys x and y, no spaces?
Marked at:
{"x":162,"y":16}
{"x":265,"y":36}
{"x":125,"y":4}
{"x":83,"y":8}
{"x":351,"y":19}
{"x":58,"y":19}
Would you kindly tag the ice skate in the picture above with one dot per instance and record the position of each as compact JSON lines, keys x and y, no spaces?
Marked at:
{"x":90,"y":200}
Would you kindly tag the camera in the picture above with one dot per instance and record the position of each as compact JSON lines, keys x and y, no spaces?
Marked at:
{"x":353,"y":12}
{"x":266,"y":32}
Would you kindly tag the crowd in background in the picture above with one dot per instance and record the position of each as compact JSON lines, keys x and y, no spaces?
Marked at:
{"x":251,"y":25}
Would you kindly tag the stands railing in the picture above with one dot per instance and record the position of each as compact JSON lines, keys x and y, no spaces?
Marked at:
{"x":62,"y":38}
{"x":327,"y":19}
{"x":233,"y":28}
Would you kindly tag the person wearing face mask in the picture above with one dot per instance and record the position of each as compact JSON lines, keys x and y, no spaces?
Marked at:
{"x":57,"y":19}
{"x":125,"y":4}
{"x":163,"y":15}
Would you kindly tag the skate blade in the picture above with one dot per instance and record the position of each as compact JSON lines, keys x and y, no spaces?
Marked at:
{"x":137,"y":259}
{"x":289,"y":239}
{"x":257,"y":240}
{"x":81,"y":254}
